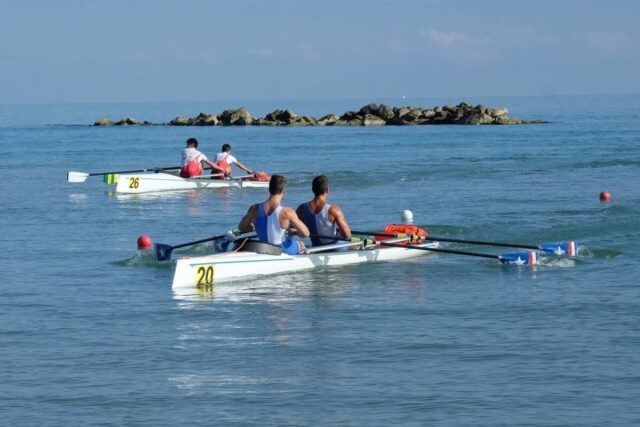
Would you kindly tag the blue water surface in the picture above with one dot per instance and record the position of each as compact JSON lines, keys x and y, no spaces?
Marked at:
{"x":91,"y":332}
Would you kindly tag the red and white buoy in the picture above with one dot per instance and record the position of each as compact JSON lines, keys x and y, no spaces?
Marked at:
{"x":605,"y":196}
{"x":144,"y":242}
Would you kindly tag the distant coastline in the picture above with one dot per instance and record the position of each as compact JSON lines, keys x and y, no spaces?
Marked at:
{"x":369,"y":115}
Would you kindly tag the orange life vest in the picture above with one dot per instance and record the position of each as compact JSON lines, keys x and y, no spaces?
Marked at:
{"x":193,"y":168}
{"x":402,"y":230}
{"x":258,"y":176}
{"x":222,"y":163}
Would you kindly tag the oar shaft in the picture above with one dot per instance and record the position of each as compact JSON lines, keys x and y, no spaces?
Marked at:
{"x":375,"y":233}
{"x":479,"y":242}
{"x":323,"y":236}
{"x":208,"y":239}
{"x":446,"y":239}
{"x":135,"y":171}
{"x":447,"y":251}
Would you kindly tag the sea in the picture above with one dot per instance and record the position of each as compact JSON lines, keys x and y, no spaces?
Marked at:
{"x":91,"y":332}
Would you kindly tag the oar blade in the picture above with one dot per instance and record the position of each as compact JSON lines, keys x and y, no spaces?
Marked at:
{"x":162,"y":251}
{"x":76,"y":176}
{"x":569,"y":248}
{"x":520,"y":258}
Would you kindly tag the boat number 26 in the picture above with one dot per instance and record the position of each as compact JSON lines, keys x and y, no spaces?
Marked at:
{"x":204,"y":277}
{"x":134,"y":182}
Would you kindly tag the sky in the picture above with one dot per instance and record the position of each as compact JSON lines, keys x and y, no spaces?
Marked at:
{"x":191,"y":50}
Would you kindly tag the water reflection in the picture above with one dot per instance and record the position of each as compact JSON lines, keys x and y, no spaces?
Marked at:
{"x":280,"y":289}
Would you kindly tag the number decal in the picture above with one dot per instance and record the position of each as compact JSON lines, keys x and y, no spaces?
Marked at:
{"x":134,"y":182}
{"x":204,"y":277}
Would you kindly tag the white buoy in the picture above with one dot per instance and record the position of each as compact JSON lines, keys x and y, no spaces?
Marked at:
{"x":407,"y":217}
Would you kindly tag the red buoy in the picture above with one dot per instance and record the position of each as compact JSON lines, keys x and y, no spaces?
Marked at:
{"x":144,"y":242}
{"x":605,"y":196}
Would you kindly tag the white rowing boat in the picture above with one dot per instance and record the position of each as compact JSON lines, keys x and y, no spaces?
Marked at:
{"x":162,"y":181}
{"x":198,"y":274}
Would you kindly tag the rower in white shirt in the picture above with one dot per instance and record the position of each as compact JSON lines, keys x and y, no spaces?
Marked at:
{"x":224,"y":160}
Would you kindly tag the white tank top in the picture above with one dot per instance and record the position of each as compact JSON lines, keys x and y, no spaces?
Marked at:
{"x":268,"y":226}
{"x":323,"y":225}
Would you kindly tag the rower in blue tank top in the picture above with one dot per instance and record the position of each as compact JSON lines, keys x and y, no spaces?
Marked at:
{"x":323,"y":218}
{"x":271,"y":221}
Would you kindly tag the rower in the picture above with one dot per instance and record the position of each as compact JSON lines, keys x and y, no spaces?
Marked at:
{"x":224,"y":160}
{"x":322,"y":218}
{"x":272,"y":221}
{"x":192,"y":161}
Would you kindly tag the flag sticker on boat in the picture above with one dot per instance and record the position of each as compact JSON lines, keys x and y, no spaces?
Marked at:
{"x":110,"y":178}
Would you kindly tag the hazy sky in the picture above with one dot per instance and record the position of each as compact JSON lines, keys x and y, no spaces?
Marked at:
{"x":190,"y":50}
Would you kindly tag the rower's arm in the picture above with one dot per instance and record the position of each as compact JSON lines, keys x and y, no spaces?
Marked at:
{"x":295,"y":222}
{"x":341,"y":222}
{"x":247,"y":223}
{"x":243,"y":167}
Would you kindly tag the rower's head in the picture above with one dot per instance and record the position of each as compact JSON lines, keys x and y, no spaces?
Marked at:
{"x":320,"y":185}
{"x":226,"y":148}
{"x":192,"y":143}
{"x":277,"y":185}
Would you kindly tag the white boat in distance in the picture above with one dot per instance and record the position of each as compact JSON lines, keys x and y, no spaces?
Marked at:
{"x":199,"y":274}
{"x":163,"y":181}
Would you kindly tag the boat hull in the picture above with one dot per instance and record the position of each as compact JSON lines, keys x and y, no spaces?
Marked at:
{"x":197,"y":274}
{"x":151,"y":182}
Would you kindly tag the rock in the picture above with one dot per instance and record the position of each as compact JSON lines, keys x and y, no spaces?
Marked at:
{"x":373,"y":120}
{"x":287,"y":116}
{"x":412,"y":115}
{"x":303,"y":121}
{"x":179,"y":121}
{"x":400,"y":112}
{"x":427,"y":114}
{"x":369,"y":109}
{"x":328,"y":120}
{"x":128,"y":121}
{"x":264,"y":122}
{"x":477,"y":118}
{"x":350,"y":115}
{"x":497,"y":112}
{"x":205,"y":119}
{"x":480,"y":108}
{"x":103,"y":122}
{"x":238,"y":117}
{"x":385,"y":112}
{"x":440,"y":117}
{"x":505,"y":120}
{"x":369,"y":115}
{"x":273,"y":116}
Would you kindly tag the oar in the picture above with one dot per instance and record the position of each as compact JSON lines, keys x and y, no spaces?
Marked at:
{"x":82,"y":176}
{"x":520,"y":258}
{"x":163,"y":252}
{"x":569,"y":248}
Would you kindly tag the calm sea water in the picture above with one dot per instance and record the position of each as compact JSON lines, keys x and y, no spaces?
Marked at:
{"x":91,"y":333}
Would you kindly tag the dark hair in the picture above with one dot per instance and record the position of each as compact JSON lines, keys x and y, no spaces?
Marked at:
{"x":277,"y":184}
{"x":192,"y":141}
{"x":320,"y":185}
{"x":225,"y":148}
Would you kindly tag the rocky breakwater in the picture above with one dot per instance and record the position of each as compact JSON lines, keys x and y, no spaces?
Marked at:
{"x":369,"y":115}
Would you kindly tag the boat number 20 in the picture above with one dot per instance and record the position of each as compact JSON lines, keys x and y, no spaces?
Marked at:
{"x":134,"y":182}
{"x":204,"y":276}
